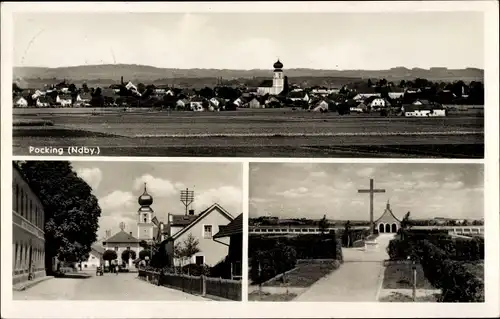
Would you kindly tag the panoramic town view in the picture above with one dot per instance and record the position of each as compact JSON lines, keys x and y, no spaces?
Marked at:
{"x":250,"y":93}
{"x":165,"y":231}
{"x":366,"y":232}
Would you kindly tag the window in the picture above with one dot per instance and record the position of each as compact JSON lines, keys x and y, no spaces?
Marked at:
{"x":200,"y":260}
{"x":116,"y":248}
{"x":207,"y":231}
{"x":22,"y":203}
{"x":17,"y":198}
{"x":145,"y":218}
{"x":31,"y":211}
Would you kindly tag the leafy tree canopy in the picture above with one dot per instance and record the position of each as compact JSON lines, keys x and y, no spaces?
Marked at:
{"x":71,"y":210}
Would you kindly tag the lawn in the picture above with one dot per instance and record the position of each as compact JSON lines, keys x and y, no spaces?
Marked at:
{"x":303,"y":276}
{"x":256,"y":296}
{"x":400,"y":297}
{"x":400,"y":276}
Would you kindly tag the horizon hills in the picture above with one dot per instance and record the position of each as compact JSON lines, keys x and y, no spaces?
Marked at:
{"x":145,"y":73}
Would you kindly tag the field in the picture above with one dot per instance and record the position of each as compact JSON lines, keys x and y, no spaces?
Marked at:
{"x":259,"y":133}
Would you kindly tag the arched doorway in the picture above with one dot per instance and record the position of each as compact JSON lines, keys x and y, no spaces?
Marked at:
{"x":380,"y":228}
{"x":387,"y":228}
{"x":394,"y":228}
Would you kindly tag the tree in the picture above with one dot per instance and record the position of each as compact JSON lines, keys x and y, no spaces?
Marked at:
{"x":72,"y":88}
{"x":110,"y":255}
{"x":405,"y":223}
{"x":71,"y":210}
{"x":16,"y":88}
{"x":144,"y":253}
{"x":207,"y":93}
{"x":141,"y":88}
{"x":370,"y":84}
{"x":323,"y":225}
{"x":85,"y":88}
{"x":128,"y":254}
{"x":187,"y":249}
{"x":347,"y":233}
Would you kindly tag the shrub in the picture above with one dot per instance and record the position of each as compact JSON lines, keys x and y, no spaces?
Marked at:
{"x":221,"y":270}
{"x":267,"y":264}
{"x":196,"y":270}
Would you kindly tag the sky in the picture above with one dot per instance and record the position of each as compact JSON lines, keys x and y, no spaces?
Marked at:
{"x":312,"y":190}
{"x":340,"y":41}
{"x":117,"y":186}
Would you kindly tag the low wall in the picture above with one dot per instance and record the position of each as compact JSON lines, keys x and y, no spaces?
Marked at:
{"x":197,"y":285}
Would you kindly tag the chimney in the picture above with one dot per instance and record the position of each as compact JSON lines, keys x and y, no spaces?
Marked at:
{"x":191,"y":212}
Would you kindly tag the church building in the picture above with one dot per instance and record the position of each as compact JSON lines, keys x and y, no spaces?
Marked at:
{"x":276,"y":85}
{"x":146,"y":229}
{"x":388,"y":223}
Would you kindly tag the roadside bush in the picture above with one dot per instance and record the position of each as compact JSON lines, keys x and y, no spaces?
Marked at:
{"x":221,"y":270}
{"x":268,"y":264}
{"x":196,"y":270}
{"x":309,"y":246}
{"x":460,"y":283}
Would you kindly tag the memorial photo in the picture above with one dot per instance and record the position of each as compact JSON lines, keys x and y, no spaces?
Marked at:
{"x":150,"y":231}
{"x":338,"y":232}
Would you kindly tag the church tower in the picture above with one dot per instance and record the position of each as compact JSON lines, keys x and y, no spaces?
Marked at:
{"x":145,"y":213}
{"x":278,"y":79}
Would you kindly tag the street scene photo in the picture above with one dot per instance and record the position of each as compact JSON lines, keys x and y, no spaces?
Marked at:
{"x":159,"y":231}
{"x":339,"y":232}
{"x":337,"y":84}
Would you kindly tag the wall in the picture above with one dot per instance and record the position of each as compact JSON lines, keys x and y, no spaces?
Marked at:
{"x":93,"y":262}
{"x":122,"y":247}
{"x":28,"y":220}
{"x":212,"y":251}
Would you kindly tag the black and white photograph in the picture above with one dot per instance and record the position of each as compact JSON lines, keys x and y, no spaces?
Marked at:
{"x":164,"y":231}
{"x":366,"y":232}
{"x":243,"y":84}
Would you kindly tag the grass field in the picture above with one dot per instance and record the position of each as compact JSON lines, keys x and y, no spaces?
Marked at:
{"x":400,"y":276}
{"x":248,"y":133}
{"x":303,"y":276}
{"x":256,"y":296}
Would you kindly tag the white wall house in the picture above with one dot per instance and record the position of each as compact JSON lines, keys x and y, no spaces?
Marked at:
{"x":202,"y":227}
{"x":20,"y":102}
{"x":95,"y":258}
{"x":64,"y":100}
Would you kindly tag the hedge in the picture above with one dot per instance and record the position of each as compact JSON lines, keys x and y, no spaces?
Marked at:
{"x":353,"y":235}
{"x":449,"y":264}
{"x":266,"y":264}
{"x":310,"y":246}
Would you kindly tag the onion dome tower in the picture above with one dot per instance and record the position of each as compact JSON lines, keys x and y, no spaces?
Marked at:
{"x":278,"y":79}
{"x":145,"y":216}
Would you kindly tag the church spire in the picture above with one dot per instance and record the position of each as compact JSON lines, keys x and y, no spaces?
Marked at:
{"x":388,"y":205}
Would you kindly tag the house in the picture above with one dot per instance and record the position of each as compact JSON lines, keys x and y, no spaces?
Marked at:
{"x":388,"y":223}
{"x":396,"y":95}
{"x":364,"y":96}
{"x":202,"y":227}
{"x":320,"y":106}
{"x":197,"y":104}
{"x":83,"y":97}
{"x":233,"y":231}
{"x":182,"y":104}
{"x":43,"y":101}
{"x":20,"y":101}
{"x":379,"y":103}
{"x":64,"y":100}
{"x":254,"y":103}
{"x":95,"y":257}
{"x":122,"y":241}
{"x":426,"y":110}
{"x":298,"y":96}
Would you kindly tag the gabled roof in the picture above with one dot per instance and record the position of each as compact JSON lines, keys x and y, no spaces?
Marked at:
{"x":202,"y":215}
{"x":97,"y":248}
{"x":387,"y":216}
{"x":122,"y":237}
{"x":233,"y":228}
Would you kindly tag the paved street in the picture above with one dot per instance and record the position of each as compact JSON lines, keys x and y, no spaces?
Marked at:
{"x":108,"y":287}
{"x":358,"y":279}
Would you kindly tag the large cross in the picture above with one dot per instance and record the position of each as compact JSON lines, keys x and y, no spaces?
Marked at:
{"x":371,"y":191}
